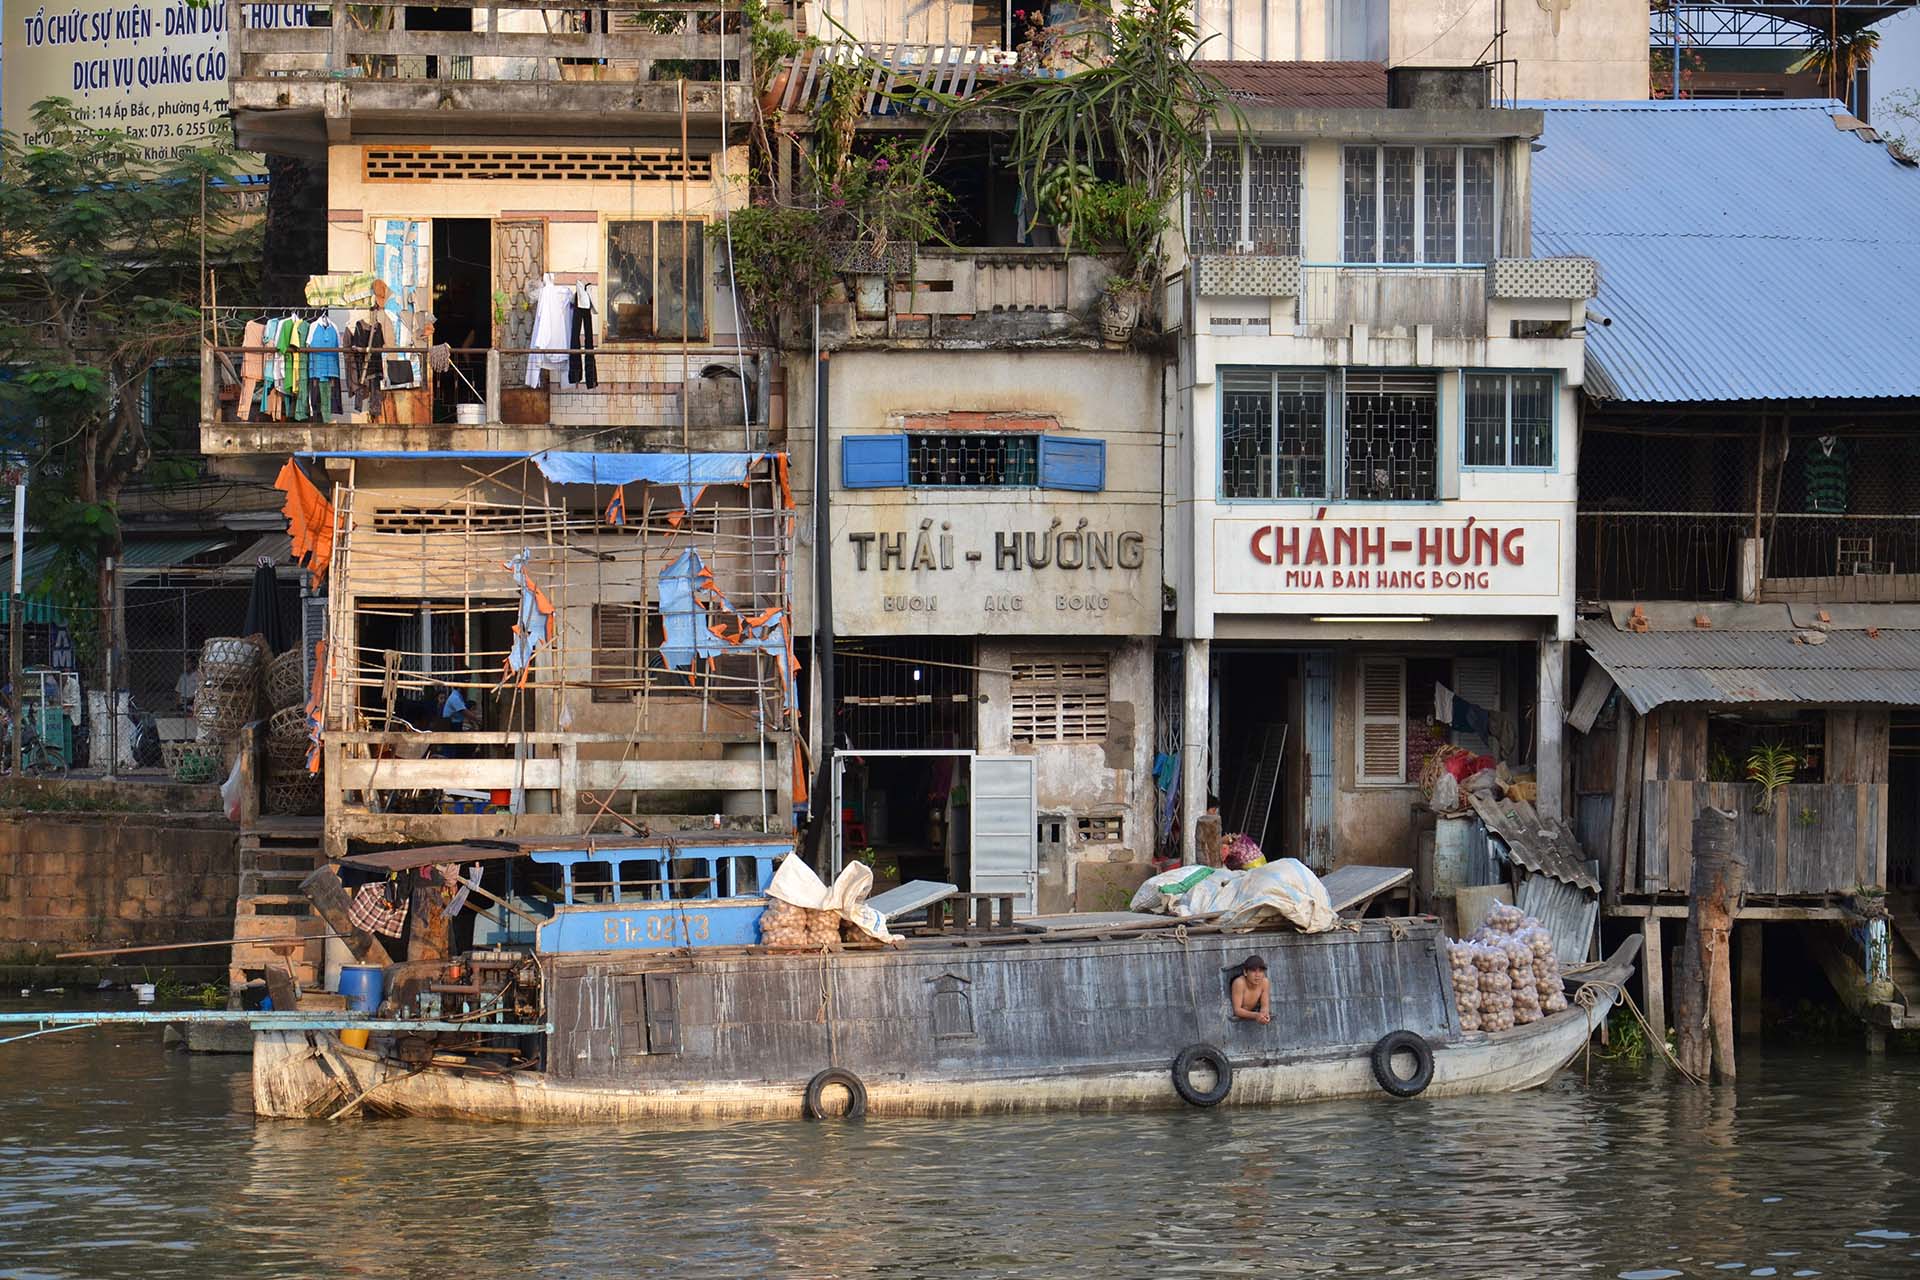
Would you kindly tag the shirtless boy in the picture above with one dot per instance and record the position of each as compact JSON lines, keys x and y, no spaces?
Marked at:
{"x":1251,"y":994}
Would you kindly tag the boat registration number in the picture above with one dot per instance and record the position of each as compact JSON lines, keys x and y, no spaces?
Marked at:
{"x":655,"y":927}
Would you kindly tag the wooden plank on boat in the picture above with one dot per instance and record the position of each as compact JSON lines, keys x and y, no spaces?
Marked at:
{"x":1356,"y":885}
{"x":1120,"y":921}
{"x":911,"y":896}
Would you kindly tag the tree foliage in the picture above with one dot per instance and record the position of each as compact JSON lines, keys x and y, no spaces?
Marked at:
{"x":99,"y":285}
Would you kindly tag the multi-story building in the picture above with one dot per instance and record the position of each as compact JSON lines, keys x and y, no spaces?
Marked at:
{"x":557,"y":592}
{"x":1373,"y":509}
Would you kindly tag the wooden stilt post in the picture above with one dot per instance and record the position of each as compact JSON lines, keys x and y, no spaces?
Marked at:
{"x":1653,"y":976}
{"x":1750,"y":1002}
{"x":1703,"y":998}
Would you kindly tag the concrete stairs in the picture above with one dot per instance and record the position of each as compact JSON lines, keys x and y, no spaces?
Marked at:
{"x":276,"y":854}
{"x":1903,"y":956}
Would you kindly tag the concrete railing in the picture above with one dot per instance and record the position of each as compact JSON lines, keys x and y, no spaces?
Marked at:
{"x":978,"y":282}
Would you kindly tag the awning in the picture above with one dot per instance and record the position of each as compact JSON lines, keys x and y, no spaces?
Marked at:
{"x":144,"y":557}
{"x":1750,"y":653}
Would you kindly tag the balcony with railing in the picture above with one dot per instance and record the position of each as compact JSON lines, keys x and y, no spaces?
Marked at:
{"x":303,"y":77}
{"x":1509,"y":297}
{"x":409,"y":399}
{"x":969,"y":297}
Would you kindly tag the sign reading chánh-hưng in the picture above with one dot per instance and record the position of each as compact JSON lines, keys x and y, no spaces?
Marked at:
{"x":155,"y":70}
{"x":1501,"y":565}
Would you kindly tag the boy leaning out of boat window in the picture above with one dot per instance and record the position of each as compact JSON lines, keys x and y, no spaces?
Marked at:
{"x":1251,"y":994}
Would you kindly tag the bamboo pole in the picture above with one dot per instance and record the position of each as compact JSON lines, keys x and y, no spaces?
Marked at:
{"x":186,"y":946}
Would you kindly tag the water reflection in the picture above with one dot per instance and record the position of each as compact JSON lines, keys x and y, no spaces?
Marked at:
{"x":119,"y":1160}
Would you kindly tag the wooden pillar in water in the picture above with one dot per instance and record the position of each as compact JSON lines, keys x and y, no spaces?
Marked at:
{"x":1703,"y":998}
{"x":1750,"y":999}
{"x":1653,"y":976}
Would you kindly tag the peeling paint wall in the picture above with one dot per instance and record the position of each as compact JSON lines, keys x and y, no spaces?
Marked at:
{"x":1104,"y":779}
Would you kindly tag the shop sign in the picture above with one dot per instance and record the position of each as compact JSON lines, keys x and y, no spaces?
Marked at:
{"x":1508,"y":564}
{"x":986,"y":569}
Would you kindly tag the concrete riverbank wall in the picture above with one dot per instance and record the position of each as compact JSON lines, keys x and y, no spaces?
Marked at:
{"x":86,"y":879}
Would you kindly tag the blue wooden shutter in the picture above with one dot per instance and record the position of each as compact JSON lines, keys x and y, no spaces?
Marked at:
{"x":1070,"y":463}
{"x":873,"y":462}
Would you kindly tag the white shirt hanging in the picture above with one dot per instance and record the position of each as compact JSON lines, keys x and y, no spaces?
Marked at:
{"x":552,"y":331}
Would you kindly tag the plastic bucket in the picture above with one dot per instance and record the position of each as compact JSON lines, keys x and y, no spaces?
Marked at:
{"x":362,"y":985}
{"x":354,"y":1039}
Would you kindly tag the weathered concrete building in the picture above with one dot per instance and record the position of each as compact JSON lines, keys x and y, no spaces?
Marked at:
{"x":522,"y":419}
{"x":1372,"y":513}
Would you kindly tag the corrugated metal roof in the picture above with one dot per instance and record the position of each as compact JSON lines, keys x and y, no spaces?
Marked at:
{"x":1302,"y":84}
{"x":1657,"y":667}
{"x":1747,"y":250}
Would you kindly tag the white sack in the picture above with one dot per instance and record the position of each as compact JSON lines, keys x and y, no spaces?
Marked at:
{"x":795,"y":882}
{"x":1285,"y":888}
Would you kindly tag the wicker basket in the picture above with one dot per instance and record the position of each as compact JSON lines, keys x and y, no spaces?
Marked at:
{"x":293,"y":797}
{"x":193,"y":762}
{"x":286,"y":681}
{"x":222,"y":711}
{"x":287,"y":737}
{"x":227,"y":661}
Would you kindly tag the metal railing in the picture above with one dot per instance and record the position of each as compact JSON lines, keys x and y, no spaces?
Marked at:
{"x":1694,"y":555}
{"x":632,"y":388}
{"x":506,"y":40}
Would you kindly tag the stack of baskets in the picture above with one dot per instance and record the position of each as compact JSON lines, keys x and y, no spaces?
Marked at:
{"x":229,"y":687}
{"x":291,"y":790}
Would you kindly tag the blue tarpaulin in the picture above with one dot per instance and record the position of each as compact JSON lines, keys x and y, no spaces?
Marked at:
{"x":691,"y":472}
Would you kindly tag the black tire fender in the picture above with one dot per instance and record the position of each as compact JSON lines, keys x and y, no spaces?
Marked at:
{"x":1403,"y":1042}
{"x":856,"y":1094}
{"x":1190,"y":1057}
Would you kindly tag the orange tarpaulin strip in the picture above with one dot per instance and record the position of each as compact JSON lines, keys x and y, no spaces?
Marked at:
{"x":309,"y":520}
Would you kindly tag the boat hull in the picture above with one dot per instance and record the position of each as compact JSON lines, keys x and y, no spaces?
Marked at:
{"x":311,"y":1074}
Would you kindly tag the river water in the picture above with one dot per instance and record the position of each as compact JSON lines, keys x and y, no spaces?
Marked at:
{"x":120,"y":1159}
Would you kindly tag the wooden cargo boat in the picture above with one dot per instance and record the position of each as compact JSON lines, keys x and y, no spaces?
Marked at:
{"x":677,"y":1016}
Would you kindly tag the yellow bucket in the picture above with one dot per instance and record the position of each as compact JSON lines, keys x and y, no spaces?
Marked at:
{"x":354,"y":1039}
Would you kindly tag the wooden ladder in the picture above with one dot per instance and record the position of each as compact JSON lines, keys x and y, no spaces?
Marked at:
{"x":276,"y":854}
{"x":1256,"y":802}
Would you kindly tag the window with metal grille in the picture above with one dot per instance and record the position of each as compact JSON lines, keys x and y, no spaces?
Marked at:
{"x":1419,"y":205}
{"x":1273,"y":434}
{"x":973,"y":459}
{"x":1248,"y":198}
{"x":1101,"y":828}
{"x":1390,"y":436}
{"x":656,"y":281}
{"x":1380,"y":728}
{"x":1059,"y":698}
{"x":1508,"y":420}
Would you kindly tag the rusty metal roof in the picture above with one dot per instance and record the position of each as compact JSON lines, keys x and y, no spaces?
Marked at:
{"x":1857,"y":655}
{"x":1302,"y":84}
{"x":1544,"y":845}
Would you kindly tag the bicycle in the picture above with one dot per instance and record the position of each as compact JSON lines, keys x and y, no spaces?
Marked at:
{"x":38,"y":757}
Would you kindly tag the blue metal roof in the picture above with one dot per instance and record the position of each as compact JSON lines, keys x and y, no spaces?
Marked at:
{"x":1747,"y":250}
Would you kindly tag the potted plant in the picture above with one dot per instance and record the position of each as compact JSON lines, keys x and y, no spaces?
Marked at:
{"x":1146,"y":113}
{"x":1770,"y":768}
{"x":773,"y":46}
